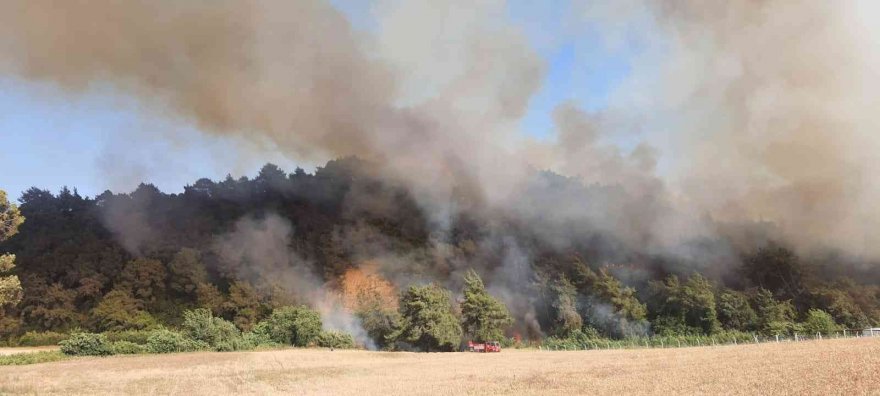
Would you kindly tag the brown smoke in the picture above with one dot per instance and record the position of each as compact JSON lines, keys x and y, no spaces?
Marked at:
{"x":768,"y":114}
{"x":754,"y":110}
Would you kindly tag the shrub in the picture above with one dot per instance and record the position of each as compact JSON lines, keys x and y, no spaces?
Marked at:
{"x":134,"y":336}
{"x":33,"y":338}
{"x":201,"y":325}
{"x":335,"y":339}
{"x":19,"y":359}
{"x":576,"y":339}
{"x":168,"y":341}
{"x":297,"y":326}
{"x":86,"y":344}
{"x":235,"y":344}
{"x":126,"y":348}
{"x":258,"y":338}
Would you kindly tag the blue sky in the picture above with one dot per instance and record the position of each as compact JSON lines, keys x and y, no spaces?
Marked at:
{"x":52,"y":139}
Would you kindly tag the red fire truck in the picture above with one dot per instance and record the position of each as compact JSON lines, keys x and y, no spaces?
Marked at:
{"x":491,"y":346}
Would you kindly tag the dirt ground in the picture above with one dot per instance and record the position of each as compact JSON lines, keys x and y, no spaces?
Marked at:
{"x":850,"y":366}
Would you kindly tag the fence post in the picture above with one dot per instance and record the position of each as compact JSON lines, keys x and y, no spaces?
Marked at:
{"x":844,"y":333}
{"x":795,"y":337}
{"x":777,"y":338}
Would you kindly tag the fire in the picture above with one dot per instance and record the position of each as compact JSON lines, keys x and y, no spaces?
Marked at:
{"x":362,"y":287}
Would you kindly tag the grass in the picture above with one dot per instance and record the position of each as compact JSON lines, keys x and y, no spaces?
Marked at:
{"x":839,"y":366}
{"x":18,"y":359}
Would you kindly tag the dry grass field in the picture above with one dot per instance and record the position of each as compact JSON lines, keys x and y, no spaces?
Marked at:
{"x":828,"y":367}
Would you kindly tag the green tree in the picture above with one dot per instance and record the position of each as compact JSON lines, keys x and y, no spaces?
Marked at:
{"x":776,"y":269}
{"x":52,"y":307}
{"x":427,"y":320}
{"x":242,"y":306}
{"x":118,"y":311}
{"x":201,"y":325}
{"x":565,"y":313}
{"x":688,"y":307}
{"x":774,"y":317}
{"x":10,"y":286}
{"x":208,"y":296}
{"x":297,"y":326}
{"x":735,"y":312}
{"x":605,"y":304}
{"x":144,"y":278}
{"x":186,"y":272}
{"x":819,"y":321}
{"x":841,"y":306}
{"x":483,"y":317}
{"x":380,"y":324}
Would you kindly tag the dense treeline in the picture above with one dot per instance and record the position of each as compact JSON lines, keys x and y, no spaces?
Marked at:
{"x":120,"y":262}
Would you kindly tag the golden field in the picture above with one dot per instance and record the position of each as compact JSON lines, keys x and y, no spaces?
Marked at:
{"x":846,"y":366}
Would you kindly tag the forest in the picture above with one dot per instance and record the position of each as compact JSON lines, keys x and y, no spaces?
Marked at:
{"x":364,"y":252}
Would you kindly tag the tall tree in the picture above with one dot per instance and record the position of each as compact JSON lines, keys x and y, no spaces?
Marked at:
{"x":10,"y":219}
{"x":483,"y":317}
{"x":735,"y":312}
{"x":687,"y":307}
{"x":774,"y":317}
{"x":566,"y":315}
{"x":605,"y":303}
{"x":427,"y":320}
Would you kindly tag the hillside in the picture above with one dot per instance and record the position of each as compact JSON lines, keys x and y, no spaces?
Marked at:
{"x":242,"y":247}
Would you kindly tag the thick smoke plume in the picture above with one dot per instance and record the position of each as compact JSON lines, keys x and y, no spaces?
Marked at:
{"x":745,"y":111}
{"x":258,"y":251}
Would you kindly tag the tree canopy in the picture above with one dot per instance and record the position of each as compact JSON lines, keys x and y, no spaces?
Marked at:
{"x":484,"y":318}
{"x":427,"y":319}
{"x":138,"y":259}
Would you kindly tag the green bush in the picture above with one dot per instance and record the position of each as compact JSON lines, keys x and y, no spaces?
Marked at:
{"x":235,"y":344}
{"x":19,"y":359}
{"x":583,"y":340}
{"x":819,"y":321}
{"x":577,"y":339}
{"x":44,"y":338}
{"x":201,"y":325}
{"x":86,"y":344}
{"x":134,"y":336}
{"x":258,"y":338}
{"x":126,"y":348}
{"x":168,"y":341}
{"x":298,"y":326}
{"x":335,"y":339}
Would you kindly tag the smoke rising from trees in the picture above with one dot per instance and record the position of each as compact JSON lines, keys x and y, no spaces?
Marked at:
{"x":752,"y":118}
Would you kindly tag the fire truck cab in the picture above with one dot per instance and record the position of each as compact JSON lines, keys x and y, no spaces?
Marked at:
{"x":491,"y":346}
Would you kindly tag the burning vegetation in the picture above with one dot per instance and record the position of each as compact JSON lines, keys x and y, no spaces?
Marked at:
{"x":728,"y":185}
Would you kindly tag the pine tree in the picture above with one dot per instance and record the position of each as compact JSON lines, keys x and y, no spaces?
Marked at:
{"x":427,"y":319}
{"x":484,"y":318}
